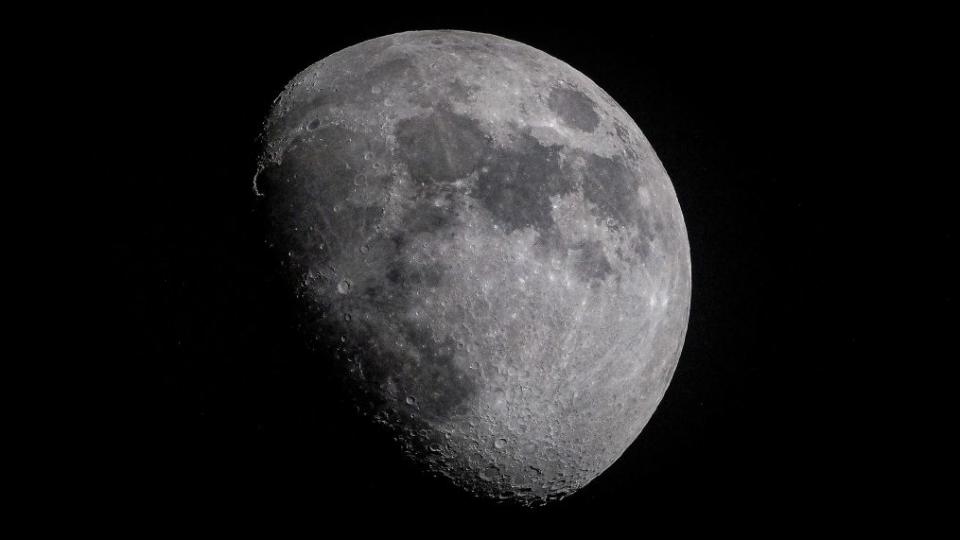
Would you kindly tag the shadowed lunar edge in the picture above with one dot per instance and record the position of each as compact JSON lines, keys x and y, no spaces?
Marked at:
{"x":491,"y":249}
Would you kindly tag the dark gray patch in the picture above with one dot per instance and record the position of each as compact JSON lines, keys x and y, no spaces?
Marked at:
{"x":517,"y":184}
{"x":514,"y":184}
{"x":548,"y":241}
{"x":426,"y":371}
{"x":395,"y":275}
{"x":469,"y":46}
{"x":372,"y":292}
{"x":440,"y":147}
{"x":405,"y":275}
{"x":366,"y":218}
{"x":427,"y":218}
{"x":641,"y":246}
{"x":438,"y":385}
{"x":573,"y":108}
{"x":460,"y":92}
{"x":589,"y":261}
{"x":612,"y":187}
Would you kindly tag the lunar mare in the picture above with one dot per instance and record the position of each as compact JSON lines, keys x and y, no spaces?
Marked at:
{"x":488,"y":247}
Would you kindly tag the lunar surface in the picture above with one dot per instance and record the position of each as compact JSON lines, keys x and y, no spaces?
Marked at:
{"x":488,"y":248}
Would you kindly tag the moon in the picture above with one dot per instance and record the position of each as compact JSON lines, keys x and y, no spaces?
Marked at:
{"x":489,"y":250}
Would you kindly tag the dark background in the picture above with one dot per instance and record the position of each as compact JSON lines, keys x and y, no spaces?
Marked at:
{"x":221,"y":409}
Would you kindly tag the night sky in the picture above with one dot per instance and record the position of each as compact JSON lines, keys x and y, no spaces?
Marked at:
{"x":222,"y":409}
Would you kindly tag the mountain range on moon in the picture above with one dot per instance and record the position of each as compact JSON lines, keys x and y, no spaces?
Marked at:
{"x":490,"y":250}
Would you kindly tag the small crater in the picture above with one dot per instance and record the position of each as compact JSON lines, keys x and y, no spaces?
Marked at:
{"x":344,"y":286}
{"x":490,"y":473}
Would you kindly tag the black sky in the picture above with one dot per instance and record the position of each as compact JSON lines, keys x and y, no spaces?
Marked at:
{"x":222,"y":409}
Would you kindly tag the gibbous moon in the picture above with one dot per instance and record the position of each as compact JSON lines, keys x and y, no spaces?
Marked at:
{"x":488,"y":248}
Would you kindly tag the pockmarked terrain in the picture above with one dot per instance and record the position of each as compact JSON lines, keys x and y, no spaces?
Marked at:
{"x":489,"y":248}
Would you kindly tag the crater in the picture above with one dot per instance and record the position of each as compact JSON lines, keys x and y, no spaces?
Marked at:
{"x":388,"y":74}
{"x":317,"y":178}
